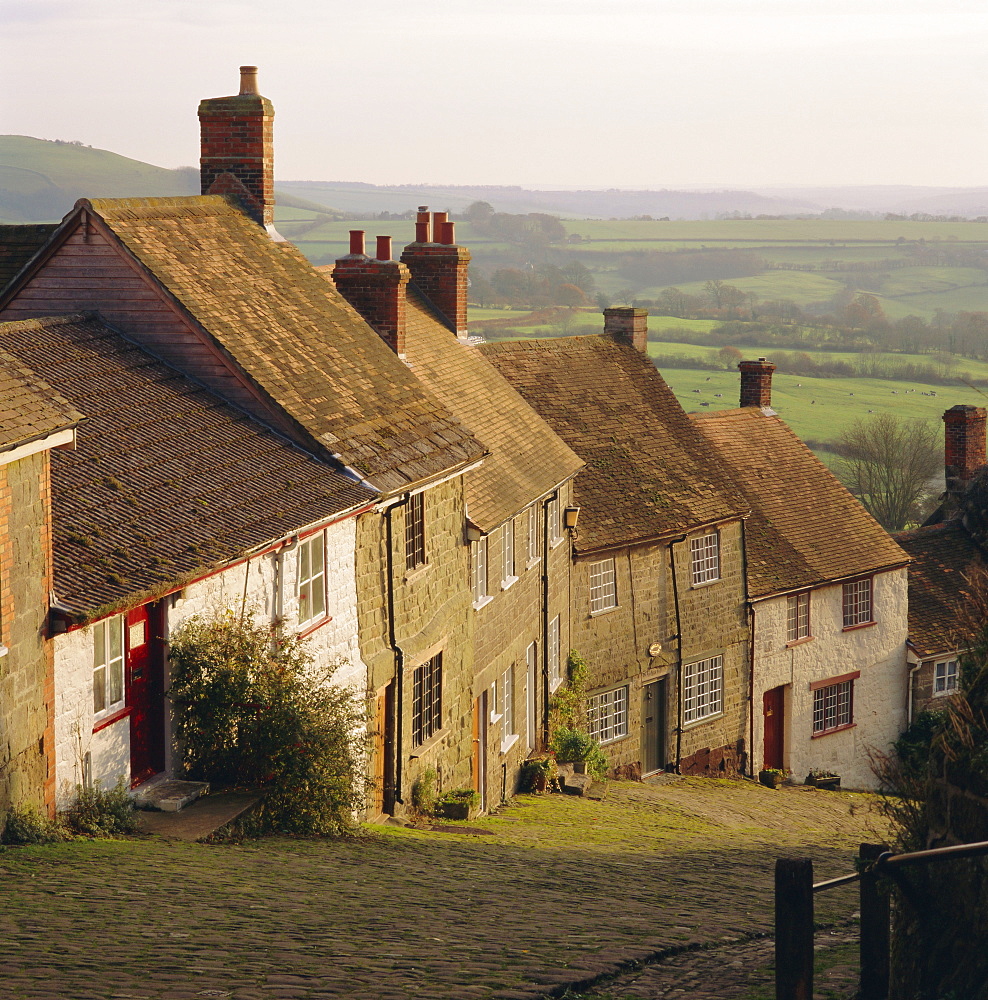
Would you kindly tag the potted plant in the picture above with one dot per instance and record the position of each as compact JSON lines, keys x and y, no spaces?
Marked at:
{"x":772,"y":777}
{"x":539,"y":774}
{"x":823,"y":779}
{"x":459,"y":803}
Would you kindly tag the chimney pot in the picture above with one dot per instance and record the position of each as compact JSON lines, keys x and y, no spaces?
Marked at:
{"x":756,"y":383}
{"x":357,"y":241}
{"x":248,"y":80}
{"x":446,"y":234}
{"x":964,"y":445}
{"x":384,"y":248}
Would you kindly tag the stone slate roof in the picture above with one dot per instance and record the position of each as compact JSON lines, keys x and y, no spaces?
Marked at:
{"x":29,"y":408}
{"x":805,"y":528}
{"x":649,"y":473}
{"x":941,"y":556}
{"x":18,"y":244}
{"x":294,"y":336}
{"x":167,"y":481}
{"x":527,"y":459}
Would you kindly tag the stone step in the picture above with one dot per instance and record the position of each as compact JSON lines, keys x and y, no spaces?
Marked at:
{"x":169,"y":794}
{"x":215,"y":813}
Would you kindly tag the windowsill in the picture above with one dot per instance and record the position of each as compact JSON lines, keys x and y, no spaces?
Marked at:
{"x":554,"y":685}
{"x":837,"y":729}
{"x":310,"y":627}
{"x":706,"y":583}
{"x":429,"y":744}
{"x":554,"y":542}
{"x":705,"y":719}
{"x":851,"y":628}
{"x":120,"y":713}
{"x":496,"y":717}
{"x":613,"y":740}
{"x":511,"y":581}
{"x":411,"y":575}
{"x":533,"y":562}
{"x":604,"y":611}
{"x":509,"y":741}
{"x":483,"y":602}
{"x":945,"y":694}
{"x":799,"y":642}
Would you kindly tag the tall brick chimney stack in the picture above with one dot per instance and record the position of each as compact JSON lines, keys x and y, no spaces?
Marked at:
{"x":376,"y":288}
{"x":964,"y":445}
{"x":756,"y":383}
{"x":440,"y":269}
{"x":238,"y":147}
{"x":629,"y":325}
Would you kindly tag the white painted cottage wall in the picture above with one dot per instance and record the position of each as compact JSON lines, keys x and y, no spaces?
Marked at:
{"x":878,"y":651}
{"x":334,"y":641}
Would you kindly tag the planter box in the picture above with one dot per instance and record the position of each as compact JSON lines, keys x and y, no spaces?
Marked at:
{"x":831,"y":782}
{"x":457,"y":808}
{"x":770,"y":780}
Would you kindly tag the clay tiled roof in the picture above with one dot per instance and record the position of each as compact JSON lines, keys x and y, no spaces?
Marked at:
{"x":167,"y":481}
{"x":648,"y":471}
{"x":29,"y":408}
{"x":941,"y":556}
{"x":294,"y":336}
{"x":527,"y":459}
{"x":805,"y":528}
{"x":18,"y":244}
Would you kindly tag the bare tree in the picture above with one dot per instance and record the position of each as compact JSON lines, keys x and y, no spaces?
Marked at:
{"x":891,"y":465}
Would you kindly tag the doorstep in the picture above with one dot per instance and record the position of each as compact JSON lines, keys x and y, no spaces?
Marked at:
{"x":201,"y":819}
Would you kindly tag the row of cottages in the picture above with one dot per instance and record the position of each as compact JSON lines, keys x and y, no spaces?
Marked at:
{"x":326,"y":447}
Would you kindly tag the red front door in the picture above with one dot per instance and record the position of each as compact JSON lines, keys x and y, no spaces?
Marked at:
{"x":145,"y":695}
{"x":773,"y":716}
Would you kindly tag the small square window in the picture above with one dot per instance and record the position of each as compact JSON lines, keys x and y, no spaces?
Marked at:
{"x":945,"y":677}
{"x":603,"y":586}
{"x":797,"y":616}
{"x":857,"y":603}
{"x":705,"y":558}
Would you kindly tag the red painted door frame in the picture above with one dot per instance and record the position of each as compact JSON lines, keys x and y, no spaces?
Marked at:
{"x":773,"y":717}
{"x":145,"y":674}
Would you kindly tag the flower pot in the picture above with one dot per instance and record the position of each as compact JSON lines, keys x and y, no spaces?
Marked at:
{"x":828,"y":781}
{"x":771,"y":779}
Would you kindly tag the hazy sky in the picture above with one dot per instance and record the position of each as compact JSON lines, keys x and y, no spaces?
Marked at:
{"x":576,"y":93}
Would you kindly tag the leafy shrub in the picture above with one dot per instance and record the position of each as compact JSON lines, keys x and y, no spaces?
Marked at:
{"x":28,"y":826}
{"x":252,"y":709}
{"x":99,"y":812}
{"x":424,"y":792}
{"x":568,"y":703}
{"x":570,"y":745}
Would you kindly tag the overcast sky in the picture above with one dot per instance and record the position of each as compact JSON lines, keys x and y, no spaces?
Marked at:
{"x":574,"y":93}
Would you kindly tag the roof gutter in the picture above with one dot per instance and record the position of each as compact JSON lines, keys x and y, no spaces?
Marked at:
{"x":666,"y":536}
{"x":830,"y":581}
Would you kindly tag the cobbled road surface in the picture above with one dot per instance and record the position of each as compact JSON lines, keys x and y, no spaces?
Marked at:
{"x":559,"y":893}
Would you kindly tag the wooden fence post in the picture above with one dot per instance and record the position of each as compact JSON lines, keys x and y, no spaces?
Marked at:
{"x":874,"y":929}
{"x":793,"y":929}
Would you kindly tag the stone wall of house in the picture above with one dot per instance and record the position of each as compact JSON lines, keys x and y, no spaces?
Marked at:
{"x":270,"y":585}
{"x":26,"y":679}
{"x":924,"y":697}
{"x":878,"y":651}
{"x":505,"y":628}
{"x":432,"y":614}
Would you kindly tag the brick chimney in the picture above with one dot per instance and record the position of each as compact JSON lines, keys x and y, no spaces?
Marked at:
{"x":238,"y":147}
{"x":439,"y":269}
{"x":375,"y":287}
{"x":964,"y":445}
{"x":628,"y":325}
{"x":756,"y":383}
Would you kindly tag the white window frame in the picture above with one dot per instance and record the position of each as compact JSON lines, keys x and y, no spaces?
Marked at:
{"x":495,"y":705}
{"x":945,"y":676}
{"x":798,"y":616}
{"x":703,"y":689}
{"x":858,"y":603}
{"x":553,"y":513}
{"x":553,"y":652}
{"x":478,"y":572}
{"x":508,"y":575}
{"x":508,"y":735}
{"x":607,"y":715}
{"x":833,"y":707}
{"x":603,"y":586}
{"x":534,"y":536}
{"x":427,"y":700}
{"x":313,"y":583}
{"x":705,"y":558}
{"x":109,"y":681}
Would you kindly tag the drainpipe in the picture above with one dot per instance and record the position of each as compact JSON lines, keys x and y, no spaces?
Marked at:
{"x":396,"y":649}
{"x":679,"y":652}
{"x":909,"y":693}
{"x":751,"y":653}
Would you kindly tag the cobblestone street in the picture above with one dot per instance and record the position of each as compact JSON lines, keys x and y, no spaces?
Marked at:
{"x":556,"y":892}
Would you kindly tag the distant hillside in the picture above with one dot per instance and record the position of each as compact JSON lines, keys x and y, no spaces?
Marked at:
{"x":41,"y":180}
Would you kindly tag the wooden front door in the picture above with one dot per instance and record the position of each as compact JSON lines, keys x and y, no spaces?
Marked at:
{"x":384,"y":750}
{"x":480,"y":717}
{"x":773,"y":719}
{"x":653,"y":726}
{"x":145,"y":677}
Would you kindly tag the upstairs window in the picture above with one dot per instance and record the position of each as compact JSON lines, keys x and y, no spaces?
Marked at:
{"x":534,"y":535}
{"x":508,"y":734}
{"x":555,"y":663}
{"x":555,"y":524}
{"x":857,"y":603}
{"x":945,"y":677}
{"x":415,"y":531}
{"x":603,"y":586}
{"x":427,"y":700}
{"x":108,"y":666}
{"x":478,"y":571}
{"x":705,"y":558}
{"x":508,"y":554}
{"x":797,"y":616}
{"x":311,"y":579}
